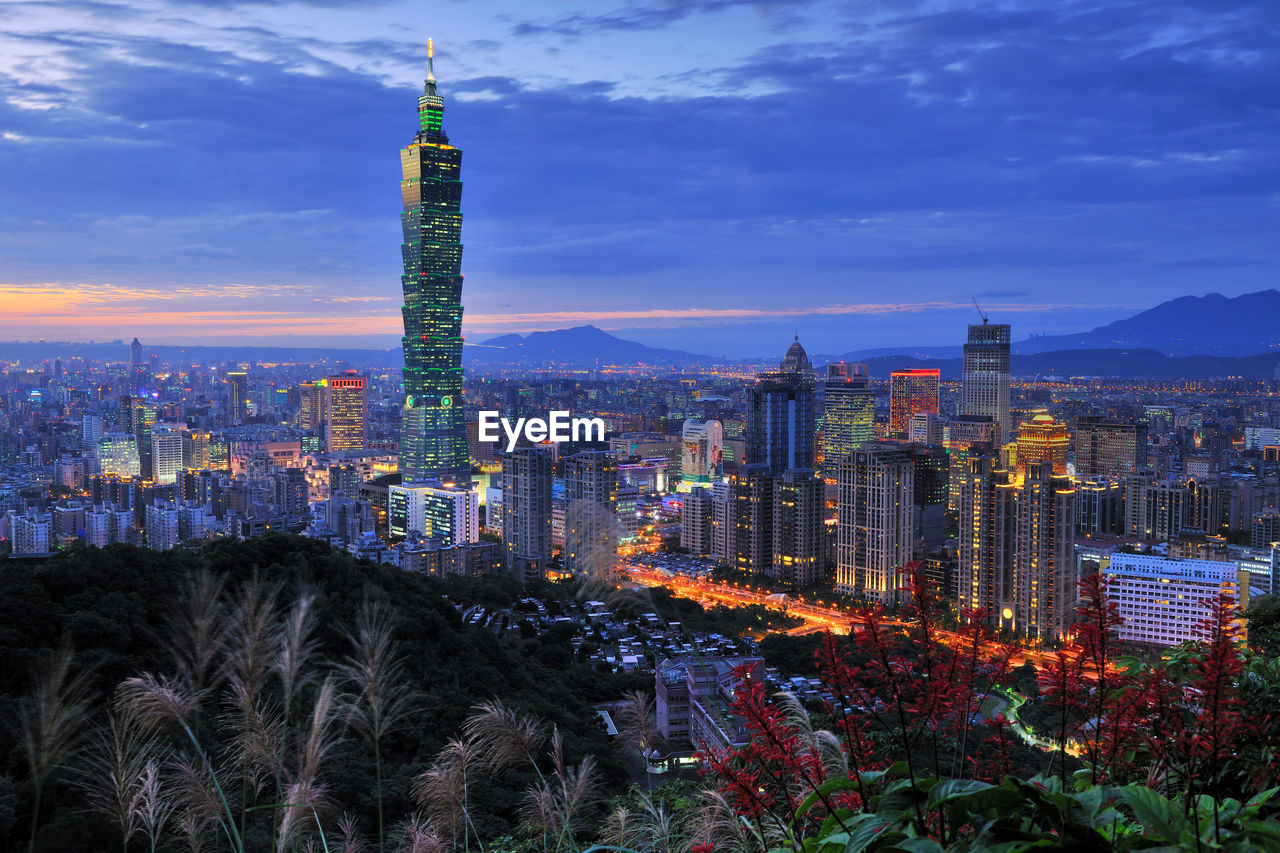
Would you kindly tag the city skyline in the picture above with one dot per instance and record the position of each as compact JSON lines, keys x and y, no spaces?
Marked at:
{"x":1067,"y":166}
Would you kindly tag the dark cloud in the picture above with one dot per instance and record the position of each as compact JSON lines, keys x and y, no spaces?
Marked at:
{"x":1119,"y":151}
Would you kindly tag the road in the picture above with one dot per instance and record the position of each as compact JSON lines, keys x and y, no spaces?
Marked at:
{"x":817,"y":616}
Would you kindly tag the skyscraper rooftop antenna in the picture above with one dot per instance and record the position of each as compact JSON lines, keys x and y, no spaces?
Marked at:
{"x":431,"y":72}
{"x":979,"y":307}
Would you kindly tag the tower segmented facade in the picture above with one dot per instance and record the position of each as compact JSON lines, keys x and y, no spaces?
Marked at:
{"x":985,"y":389}
{"x":433,"y":442}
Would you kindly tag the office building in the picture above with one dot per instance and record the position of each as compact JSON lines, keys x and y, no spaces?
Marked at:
{"x":1107,"y":447}
{"x":724,"y":540}
{"x":166,"y":452}
{"x":311,"y":406}
{"x":1016,"y":549}
{"x":434,"y":510}
{"x":849,"y":412}
{"x":985,"y":385}
{"x":433,"y":442}
{"x":346,"y":413}
{"x":911,"y":391}
{"x":780,"y":416}
{"x":238,"y":396}
{"x":91,"y":430}
{"x":874,"y":520}
{"x":118,"y":455}
{"x":526,"y":511}
{"x":591,"y":530}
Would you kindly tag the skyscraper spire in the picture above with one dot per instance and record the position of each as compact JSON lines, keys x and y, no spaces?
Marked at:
{"x":431,"y":73}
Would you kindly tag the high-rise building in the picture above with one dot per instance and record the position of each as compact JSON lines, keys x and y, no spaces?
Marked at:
{"x":702,"y":454}
{"x":780,"y":416}
{"x":196,"y":449}
{"x":91,"y":429}
{"x":435,"y":511}
{"x":166,"y":452}
{"x":696,"y":519}
{"x":929,"y":502}
{"x":874,"y":520}
{"x":911,"y":390}
{"x":849,"y":412}
{"x":779,"y":442}
{"x":1100,"y":507}
{"x":118,"y":455}
{"x":310,"y":406}
{"x":347,"y":412}
{"x":1044,"y":566}
{"x":798,"y":550}
{"x":1017,"y":546}
{"x":238,"y":396}
{"x":1106,"y":447}
{"x":135,"y":366}
{"x":290,"y":492}
{"x":144,"y":416}
{"x":526,"y":511}
{"x":1043,"y":439}
{"x":434,"y":433}
{"x":591,"y":500}
{"x":985,"y":386}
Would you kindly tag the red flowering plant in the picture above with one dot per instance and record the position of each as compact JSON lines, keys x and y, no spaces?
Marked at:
{"x":924,"y":740}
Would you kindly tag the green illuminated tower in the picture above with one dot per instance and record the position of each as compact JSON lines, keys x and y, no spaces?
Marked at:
{"x":433,"y":441}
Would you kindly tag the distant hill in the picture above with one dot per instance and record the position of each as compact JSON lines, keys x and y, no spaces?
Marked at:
{"x":1188,"y":325}
{"x":1117,"y":363}
{"x":581,"y":345}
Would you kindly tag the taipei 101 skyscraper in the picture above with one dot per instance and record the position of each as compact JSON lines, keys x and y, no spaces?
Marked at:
{"x":433,"y":443}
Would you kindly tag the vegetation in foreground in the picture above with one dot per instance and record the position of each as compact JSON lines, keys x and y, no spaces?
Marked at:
{"x":274,"y":695}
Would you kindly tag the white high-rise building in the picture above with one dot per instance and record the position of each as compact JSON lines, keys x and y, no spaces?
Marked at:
{"x":166,"y":452}
{"x":985,"y":388}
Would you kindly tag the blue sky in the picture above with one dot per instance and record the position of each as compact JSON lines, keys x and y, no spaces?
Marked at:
{"x":710,"y":175}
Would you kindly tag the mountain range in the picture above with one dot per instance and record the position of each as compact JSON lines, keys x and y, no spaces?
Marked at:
{"x":581,"y":345}
{"x":1191,"y":337}
{"x":1189,"y":325}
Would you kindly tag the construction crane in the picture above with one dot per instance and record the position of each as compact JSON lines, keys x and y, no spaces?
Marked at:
{"x":979,"y":307}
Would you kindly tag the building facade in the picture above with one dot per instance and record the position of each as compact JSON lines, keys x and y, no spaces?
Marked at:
{"x":911,"y":391}
{"x":433,"y":442}
{"x":985,"y":385}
